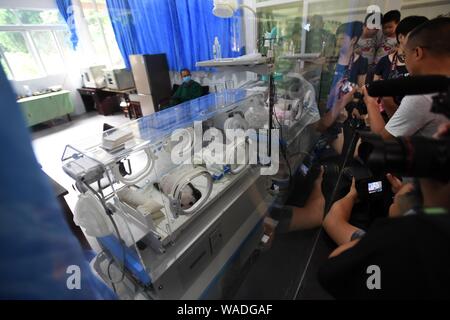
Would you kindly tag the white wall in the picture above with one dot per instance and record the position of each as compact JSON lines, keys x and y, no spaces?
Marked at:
{"x":430,"y":11}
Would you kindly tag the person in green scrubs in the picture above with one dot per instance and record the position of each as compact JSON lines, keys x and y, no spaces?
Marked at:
{"x":188,"y":90}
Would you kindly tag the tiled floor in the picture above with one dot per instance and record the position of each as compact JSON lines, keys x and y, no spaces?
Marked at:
{"x":49,"y":143}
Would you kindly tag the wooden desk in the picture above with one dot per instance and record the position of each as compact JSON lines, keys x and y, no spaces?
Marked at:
{"x":105,"y":101}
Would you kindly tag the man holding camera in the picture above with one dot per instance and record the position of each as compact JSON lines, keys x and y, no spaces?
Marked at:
{"x":427,"y":52}
{"x":351,"y":67}
{"x":411,"y":252}
{"x":404,"y":257}
{"x":393,"y":65}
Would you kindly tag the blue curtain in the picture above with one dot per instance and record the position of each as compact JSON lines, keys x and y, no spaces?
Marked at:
{"x":182,"y":29}
{"x":66,"y":10}
{"x":157,"y":29}
{"x":199,"y":27}
{"x":124,"y":28}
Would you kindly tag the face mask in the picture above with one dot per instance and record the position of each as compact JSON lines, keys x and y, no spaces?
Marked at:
{"x":187,"y":79}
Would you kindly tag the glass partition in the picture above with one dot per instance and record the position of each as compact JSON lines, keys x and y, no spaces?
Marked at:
{"x":224,"y":196}
{"x":323,"y":50}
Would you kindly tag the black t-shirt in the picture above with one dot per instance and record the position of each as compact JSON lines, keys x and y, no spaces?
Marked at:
{"x":351,"y":72}
{"x":413,"y":254}
{"x":384,"y":69}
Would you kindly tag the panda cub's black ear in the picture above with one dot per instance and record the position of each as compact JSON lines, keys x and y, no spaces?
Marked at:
{"x":195,"y":192}
{"x":157,"y":186}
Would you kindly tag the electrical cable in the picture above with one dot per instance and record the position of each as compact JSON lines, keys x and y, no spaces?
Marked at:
{"x":109,"y":214}
{"x":109,"y":276}
{"x":284,"y":150}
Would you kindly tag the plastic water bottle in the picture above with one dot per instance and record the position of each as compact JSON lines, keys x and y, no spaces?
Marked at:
{"x":217,"y":50}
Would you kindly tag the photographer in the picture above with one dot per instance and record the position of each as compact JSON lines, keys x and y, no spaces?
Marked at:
{"x":386,"y":68}
{"x":393,"y":65}
{"x":427,"y":52}
{"x":350,"y":67}
{"x":336,"y":222}
{"x":410,"y":252}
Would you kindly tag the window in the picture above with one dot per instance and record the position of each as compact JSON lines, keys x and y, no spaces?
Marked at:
{"x":48,"y":51}
{"x":15,"y":50}
{"x":63,"y":39}
{"x":33,"y":43}
{"x":101,"y":32}
{"x":8,"y":17}
{"x":5,"y":66}
{"x":39,"y":17}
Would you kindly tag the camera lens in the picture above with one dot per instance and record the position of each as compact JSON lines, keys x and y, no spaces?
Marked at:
{"x":411,"y":157}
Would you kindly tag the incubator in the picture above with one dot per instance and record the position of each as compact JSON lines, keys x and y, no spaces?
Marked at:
{"x":167,"y":202}
{"x":174,"y":202}
{"x":295,"y":112}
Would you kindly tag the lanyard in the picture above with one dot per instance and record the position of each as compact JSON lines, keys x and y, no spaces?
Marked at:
{"x":394,"y":62}
{"x":350,"y":66}
{"x":435,"y":211}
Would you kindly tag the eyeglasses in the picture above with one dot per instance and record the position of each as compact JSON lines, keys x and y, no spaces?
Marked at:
{"x":406,"y":49}
{"x":414,"y":48}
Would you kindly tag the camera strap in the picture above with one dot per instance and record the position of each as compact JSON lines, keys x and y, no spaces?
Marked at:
{"x":394,"y":72}
{"x":394,"y":62}
{"x":347,"y":73}
{"x":435,"y":211}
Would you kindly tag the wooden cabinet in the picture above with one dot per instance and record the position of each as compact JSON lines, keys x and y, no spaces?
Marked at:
{"x":105,"y":101}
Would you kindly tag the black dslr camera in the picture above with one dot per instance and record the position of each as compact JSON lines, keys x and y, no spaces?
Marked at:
{"x":407,"y":156}
{"x":416,"y":156}
{"x":356,"y":103}
{"x":370,"y":187}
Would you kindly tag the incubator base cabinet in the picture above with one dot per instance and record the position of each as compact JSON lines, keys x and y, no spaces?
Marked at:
{"x":210,"y":252}
{"x":175,"y":201}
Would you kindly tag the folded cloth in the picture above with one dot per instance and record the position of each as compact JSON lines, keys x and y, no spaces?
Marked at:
{"x":151,"y":207}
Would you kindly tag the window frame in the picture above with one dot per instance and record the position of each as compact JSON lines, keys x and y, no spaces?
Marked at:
{"x":84,"y":5}
{"x":26,"y":30}
{"x":58,"y":48}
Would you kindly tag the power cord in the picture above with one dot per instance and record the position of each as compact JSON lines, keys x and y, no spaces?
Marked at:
{"x":109,"y":276}
{"x":109,"y":213}
{"x":283,"y":149}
